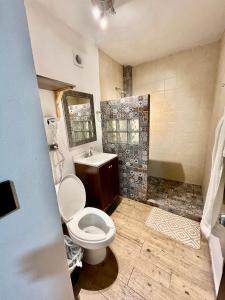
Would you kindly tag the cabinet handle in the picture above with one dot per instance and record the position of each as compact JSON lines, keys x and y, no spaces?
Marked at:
{"x":110,"y":166}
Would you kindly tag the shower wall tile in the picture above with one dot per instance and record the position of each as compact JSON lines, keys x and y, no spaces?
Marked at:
{"x":182,"y":88}
{"x":127,"y":80}
{"x":133,"y":157}
{"x":183,"y":199}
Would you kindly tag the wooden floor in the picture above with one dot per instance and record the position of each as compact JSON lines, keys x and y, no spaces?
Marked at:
{"x":144,"y":264}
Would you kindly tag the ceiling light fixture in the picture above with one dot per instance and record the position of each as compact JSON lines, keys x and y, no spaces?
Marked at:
{"x":96,"y":12}
{"x":102,"y":9}
{"x":103,"y":23}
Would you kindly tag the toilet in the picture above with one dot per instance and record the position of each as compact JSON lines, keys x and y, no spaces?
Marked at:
{"x":88,"y":227}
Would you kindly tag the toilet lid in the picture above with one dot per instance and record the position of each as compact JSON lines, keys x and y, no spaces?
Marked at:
{"x":71,"y":196}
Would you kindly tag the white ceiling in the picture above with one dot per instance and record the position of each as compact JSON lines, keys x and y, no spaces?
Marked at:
{"x":144,"y":30}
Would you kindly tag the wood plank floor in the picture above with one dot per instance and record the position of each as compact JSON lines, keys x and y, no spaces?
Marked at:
{"x":144,"y":264}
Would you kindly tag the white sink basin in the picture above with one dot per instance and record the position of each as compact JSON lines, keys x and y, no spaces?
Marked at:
{"x":96,"y":160}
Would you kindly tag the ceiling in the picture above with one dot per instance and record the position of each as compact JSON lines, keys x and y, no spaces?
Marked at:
{"x":144,"y":30}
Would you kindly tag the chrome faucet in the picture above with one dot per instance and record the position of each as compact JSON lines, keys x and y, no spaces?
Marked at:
{"x":88,"y":153}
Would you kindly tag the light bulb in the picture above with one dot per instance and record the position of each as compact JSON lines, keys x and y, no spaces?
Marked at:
{"x":96,"y":12}
{"x":103,"y":23}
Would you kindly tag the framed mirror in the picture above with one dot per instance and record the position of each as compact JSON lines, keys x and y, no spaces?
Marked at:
{"x":79,"y":117}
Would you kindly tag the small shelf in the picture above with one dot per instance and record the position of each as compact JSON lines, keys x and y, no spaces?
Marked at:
{"x":49,"y":84}
{"x":58,"y":87}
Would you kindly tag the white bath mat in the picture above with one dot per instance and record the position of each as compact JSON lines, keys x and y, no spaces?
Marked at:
{"x":176,"y":227}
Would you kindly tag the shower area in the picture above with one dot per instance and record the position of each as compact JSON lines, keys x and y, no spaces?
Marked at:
{"x":126,"y":131}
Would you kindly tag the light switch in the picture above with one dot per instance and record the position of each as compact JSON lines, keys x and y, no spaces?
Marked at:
{"x":8,"y":198}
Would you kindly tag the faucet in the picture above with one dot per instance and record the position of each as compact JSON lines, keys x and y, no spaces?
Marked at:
{"x":89,"y":152}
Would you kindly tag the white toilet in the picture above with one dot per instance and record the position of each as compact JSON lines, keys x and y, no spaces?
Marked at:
{"x":89,"y":227}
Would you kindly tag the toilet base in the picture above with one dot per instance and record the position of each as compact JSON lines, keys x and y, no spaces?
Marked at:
{"x":94,"y":257}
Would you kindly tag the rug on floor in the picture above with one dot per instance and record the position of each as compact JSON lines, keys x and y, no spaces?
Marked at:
{"x":176,"y":227}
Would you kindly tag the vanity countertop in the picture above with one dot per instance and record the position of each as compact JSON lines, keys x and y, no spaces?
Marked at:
{"x":96,"y":160}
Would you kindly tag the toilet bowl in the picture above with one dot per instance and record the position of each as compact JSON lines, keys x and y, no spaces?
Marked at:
{"x":88,"y":227}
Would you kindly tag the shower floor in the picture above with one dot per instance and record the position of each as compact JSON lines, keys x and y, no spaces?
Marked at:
{"x":177,"y":197}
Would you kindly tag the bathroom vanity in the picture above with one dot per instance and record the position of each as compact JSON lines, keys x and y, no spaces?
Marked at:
{"x":99,"y":174}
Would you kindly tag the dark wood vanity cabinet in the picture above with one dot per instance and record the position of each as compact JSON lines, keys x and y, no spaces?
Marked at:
{"x":101,"y":183}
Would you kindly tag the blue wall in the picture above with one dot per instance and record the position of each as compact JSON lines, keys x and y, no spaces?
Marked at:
{"x":32,"y":254}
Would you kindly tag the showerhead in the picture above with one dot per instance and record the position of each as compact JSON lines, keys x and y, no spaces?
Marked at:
{"x":121,"y":92}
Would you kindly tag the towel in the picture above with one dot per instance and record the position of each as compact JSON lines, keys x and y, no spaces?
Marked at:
{"x":214,"y":197}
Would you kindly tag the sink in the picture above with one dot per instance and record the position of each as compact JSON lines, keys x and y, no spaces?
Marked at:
{"x":96,"y":160}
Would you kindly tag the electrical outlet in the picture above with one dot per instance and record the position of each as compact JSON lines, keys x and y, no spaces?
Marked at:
{"x":8,"y":198}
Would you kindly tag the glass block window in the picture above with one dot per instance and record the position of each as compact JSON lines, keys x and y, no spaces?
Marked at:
{"x":86,"y":135}
{"x":91,"y":126}
{"x":86,"y":126}
{"x":79,"y":136}
{"x":134,"y":138}
{"x":82,"y":130}
{"x":111,"y":125}
{"x":123,"y":131}
{"x":77,"y":126}
{"x":122,"y":137}
{"x":134,"y":125}
{"x":112,"y":137}
{"x":122,"y":125}
{"x":134,"y":131}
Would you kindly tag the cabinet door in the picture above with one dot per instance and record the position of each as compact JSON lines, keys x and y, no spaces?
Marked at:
{"x":105,"y":185}
{"x":90,"y":179}
{"x":114,"y":178}
{"x":109,"y":182}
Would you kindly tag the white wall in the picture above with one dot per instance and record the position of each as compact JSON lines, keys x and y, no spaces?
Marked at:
{"x":181,"y":88}
{"x":53,"y":42}
{"x":32,"y":255}
{"x":217,"y":112}
{"x":111,"y":76}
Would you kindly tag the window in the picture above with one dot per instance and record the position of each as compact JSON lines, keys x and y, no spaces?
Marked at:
{"x":123,"y":131}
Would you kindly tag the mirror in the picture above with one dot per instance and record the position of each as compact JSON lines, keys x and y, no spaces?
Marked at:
{"x":79,"y":117}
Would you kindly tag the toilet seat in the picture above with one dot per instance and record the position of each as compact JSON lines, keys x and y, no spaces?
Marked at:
{"x":89,"y":227}
{"x":97,"y":225}
{"x":71,"y":197}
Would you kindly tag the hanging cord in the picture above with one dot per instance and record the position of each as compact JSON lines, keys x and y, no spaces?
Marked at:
{"x":57,"y":157}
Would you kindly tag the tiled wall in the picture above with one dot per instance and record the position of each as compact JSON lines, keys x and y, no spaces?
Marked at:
{"x":182,"y":94}
{"x":217,"y":112}
{"x":127,"y":80}
{"x":125,"y":131}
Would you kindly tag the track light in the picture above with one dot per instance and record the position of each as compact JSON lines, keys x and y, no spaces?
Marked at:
{"x":103,"y":22}
{"x":101,"y":10}
{"x":96,"y":12}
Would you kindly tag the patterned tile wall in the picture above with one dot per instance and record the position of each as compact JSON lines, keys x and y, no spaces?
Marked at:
{"x":127,"y":80}
{"x":180,"y":198}
{"x":125,"y":131}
